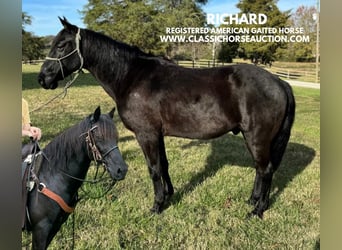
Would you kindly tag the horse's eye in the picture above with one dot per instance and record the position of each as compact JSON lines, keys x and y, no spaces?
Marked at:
{"x":96,"y":132}
{"x":61,"y":46}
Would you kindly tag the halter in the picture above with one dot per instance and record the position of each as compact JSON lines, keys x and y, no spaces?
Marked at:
{"x":59,"y":60}
{"x":77,"y":49}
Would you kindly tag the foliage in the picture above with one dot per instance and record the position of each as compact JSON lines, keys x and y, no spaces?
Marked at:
{"x":140,"y":22}
{"x":212,"y":180}
{"x":25,"y":20}
{"x":32,"y":46}
{"x":303,"y":17}
{"x":270,"y":51}
{"x":228,"y":52}
{"x":263,"y":51}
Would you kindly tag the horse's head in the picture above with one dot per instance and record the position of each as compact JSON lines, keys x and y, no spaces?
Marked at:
{"x":102,"y":140}
{"x":64,"y":57}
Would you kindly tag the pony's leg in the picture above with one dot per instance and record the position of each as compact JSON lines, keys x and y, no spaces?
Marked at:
{"x":40,"y":235}
{"x":56,"y":227}
{"x":168,"y":188}
{"x":150,"y":146}
{"x":47,"y":219}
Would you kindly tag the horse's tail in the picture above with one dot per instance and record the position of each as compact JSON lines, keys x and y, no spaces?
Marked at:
{"x":280,"y":141}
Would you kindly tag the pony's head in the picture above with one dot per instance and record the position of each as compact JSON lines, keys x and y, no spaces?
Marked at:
{"x":64,"y":57}
{"x":102,"y":138}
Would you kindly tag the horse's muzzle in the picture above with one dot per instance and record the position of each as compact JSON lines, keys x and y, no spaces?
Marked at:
{"x":46,"y":82}
{"x":41,"y":81}
{"x":121,"y":173}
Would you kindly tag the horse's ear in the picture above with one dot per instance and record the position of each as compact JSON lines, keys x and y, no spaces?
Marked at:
{"x":67,"y":25}
{"x":111,"y":113}
{"x":95,"y":117}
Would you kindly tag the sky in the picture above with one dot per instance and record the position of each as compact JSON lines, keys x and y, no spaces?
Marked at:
{"x":45,"y":13}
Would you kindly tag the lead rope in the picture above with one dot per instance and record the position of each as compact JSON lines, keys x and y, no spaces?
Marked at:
{"x":64,"y":93}
{"x":73,"y":231}
{"x":59,"y":60}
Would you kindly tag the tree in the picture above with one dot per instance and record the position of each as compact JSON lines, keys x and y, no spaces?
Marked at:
{"x":26,"y":20}
{"x":228,"y":52}
{"x":140,"y":22}
{"x":303,"y":17}
{"x":263,"y":52}
{"x":32,"y":46}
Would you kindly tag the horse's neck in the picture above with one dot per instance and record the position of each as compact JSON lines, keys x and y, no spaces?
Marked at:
{"x":109,"y":63}
{"x":69,"y":161}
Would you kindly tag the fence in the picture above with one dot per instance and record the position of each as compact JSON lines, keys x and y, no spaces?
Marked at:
{"x":307,"y":75}
{"x":202,"y":64}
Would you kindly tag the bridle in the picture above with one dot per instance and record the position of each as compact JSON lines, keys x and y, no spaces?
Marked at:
{"x":94,"y":154}
{"x":76,"y":50}
{"x":97,"y":156}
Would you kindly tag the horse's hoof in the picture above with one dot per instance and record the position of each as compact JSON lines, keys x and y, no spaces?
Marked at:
{"x":252,"y":201}
{"x":156,"y":209}
{"x":167,"y":198}
{"x":254,"y":214}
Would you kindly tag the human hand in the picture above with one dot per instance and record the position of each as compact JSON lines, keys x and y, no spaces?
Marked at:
{"x":35,"y":132}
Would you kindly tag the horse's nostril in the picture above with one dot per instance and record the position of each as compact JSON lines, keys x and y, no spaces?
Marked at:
{"x":41,"y":79}
{"x":121,"y":171}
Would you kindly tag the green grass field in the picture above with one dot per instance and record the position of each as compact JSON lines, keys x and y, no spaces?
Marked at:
{"x":212,"y":181}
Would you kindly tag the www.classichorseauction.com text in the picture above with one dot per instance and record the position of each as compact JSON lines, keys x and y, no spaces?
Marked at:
{"x":235,"y":34}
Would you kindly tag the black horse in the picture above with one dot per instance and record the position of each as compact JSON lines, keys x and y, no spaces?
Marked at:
{"x":157,"y":98}
{"x":64,"y":166}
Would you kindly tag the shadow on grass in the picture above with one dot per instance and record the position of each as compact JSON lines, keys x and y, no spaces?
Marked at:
{"x":317,"y":244}
{"x":126,"y":138}
{"x":231,"y":150}
{"x":30,"y":81}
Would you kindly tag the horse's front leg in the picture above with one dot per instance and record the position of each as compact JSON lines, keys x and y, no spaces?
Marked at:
{"x":40,"y":234}
{"x":168,"y":188}
{"x":150,"y":146}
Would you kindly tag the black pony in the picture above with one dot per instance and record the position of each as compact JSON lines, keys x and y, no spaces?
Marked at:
{"x":63,"y":167}
{"x":157,"y":98}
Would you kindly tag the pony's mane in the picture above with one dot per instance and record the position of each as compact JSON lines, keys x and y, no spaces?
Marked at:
{"x":63,"y":146}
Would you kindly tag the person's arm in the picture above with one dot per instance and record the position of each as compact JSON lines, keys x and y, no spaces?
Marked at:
{"x":27,"y":129}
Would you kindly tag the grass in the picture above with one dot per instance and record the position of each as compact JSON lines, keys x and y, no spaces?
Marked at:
{"x":212,"y":181}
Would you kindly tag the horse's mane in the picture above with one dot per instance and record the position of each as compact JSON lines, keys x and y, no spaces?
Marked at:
{"x":72,"y":140}
{"x":125,"y":51}
{"x":100,"y":40}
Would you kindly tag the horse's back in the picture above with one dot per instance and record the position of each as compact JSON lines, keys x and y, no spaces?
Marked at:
{"x":204,"y":103}
{"x":259,"y":80}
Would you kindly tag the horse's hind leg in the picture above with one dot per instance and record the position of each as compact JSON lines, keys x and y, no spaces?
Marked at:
{"x":260,"y":150}
{"x":261,"y":191}
{"x":256,"y":192}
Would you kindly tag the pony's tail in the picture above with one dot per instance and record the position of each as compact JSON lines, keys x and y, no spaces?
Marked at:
{"x":280,"y":141}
